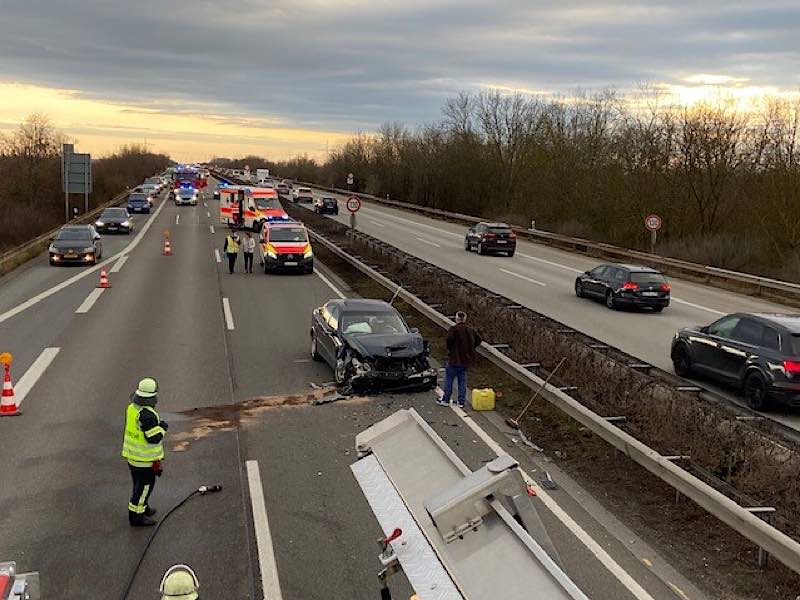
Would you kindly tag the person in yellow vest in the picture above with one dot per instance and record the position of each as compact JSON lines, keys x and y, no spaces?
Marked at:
{"x":143,"y":448}
{"x":231,"y":248}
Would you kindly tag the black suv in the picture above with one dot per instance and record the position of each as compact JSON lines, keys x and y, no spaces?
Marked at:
{"x":326,"y":205}
{"x":758,"y":353}
{"x":624,"y":285}
{"x":491,"y":237}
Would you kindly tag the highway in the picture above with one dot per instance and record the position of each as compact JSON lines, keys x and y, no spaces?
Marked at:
{"x":234,"y":385}
{"x":542,"y":278}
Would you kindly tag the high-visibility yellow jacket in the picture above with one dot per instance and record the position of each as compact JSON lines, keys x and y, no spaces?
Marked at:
{"x":135,"y":446}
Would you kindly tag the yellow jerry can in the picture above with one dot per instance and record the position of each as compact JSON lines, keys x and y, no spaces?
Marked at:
{"x":483,"y":399}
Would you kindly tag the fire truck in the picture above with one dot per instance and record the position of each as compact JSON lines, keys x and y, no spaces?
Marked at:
{"x":243,"y":207}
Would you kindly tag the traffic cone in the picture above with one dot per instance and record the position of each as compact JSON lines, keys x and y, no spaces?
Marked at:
{"x":103,"y":279}
{"x":167,"y":247}
{"x":8,"y":406}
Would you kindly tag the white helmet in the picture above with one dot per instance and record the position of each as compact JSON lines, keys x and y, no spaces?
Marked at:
{"x":179,"y":583}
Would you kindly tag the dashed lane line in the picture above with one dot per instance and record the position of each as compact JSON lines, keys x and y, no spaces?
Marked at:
{"x":226,"y":308}
{"x":507,"y":272}
{"x":423,"y":240}
{"x":211,"y":229}
{"x":217,"y":257}
{"x":119,"y":264}
{"x":88,"y":303}
{"x":270,"y":584}
{"x":35,"y":371}
{"x":329,"y":283}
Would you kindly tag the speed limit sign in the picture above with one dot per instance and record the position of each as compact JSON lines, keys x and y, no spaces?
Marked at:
{"x":353,"y":204}
{"x":652,"y":222}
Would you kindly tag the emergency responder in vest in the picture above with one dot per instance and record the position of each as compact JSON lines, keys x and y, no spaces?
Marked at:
{"x":142,"y":447}
{"x":179,"y":583}
{"x":231,"y":248}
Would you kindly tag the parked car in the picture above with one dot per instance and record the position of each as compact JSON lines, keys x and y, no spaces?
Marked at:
{"x":138,"y":202}
{"x":369,"y":346}
{"x":326,"y":205}
{"x":491,"y":237}
{"x":625,"y":285}
{"x":303,"y":194}
{"x":79,"y":244}
{"x":113,"y":220}
{"x":757,"y":353}
{"x":285,"y":246}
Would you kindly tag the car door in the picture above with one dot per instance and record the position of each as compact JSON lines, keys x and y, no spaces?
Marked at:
{"x":475,"y":234}
{"x":735,"y":352}
{"x":707,"y":345}
{"x":592,"y":281}
{"x":329,"y":324}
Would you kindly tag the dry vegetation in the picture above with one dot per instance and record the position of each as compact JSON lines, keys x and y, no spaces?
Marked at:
{"x":31,"y":197}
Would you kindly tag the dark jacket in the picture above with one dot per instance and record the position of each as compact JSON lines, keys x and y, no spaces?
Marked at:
{"x":147,"y":418}
{"x":462,"y":341}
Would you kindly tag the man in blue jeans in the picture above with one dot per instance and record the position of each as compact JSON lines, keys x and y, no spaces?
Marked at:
{"x":462,"y":341}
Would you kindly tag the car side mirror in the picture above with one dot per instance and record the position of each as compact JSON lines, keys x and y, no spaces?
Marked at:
{"x":414,"y":330}
{"x":704,"y":329}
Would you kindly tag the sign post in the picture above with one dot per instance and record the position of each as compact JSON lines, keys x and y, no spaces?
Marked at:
{"x":76,"y":176}
{"x":652,"y":223}
{"x":353,"y":205}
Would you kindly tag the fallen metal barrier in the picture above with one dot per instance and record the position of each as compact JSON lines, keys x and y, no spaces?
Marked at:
{"x":739,"y":518}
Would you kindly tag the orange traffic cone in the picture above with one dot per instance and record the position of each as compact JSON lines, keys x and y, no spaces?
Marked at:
{"x":103,"y":279}
{"x":8,"y":406}
{"x":167,"y":247}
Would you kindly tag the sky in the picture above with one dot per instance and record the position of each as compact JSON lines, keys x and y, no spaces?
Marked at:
{"x":198,"y":78}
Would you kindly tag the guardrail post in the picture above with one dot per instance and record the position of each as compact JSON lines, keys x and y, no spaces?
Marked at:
{"x":764,"y":513}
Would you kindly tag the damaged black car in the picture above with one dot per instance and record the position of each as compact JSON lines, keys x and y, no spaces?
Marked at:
{"x":370,"y":347}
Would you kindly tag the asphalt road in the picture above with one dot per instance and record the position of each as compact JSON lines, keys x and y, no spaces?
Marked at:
{"x":235,"y":390}
{"x":543,"y":278}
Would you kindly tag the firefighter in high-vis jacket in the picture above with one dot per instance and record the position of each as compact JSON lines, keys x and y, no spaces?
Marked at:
{"x":142,"y":447}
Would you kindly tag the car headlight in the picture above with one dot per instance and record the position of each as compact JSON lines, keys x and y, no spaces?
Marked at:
{"x":307,"y":252}
{"x":271,"y":252}
{"x":99,"y":223}
{"x":125,"y":223}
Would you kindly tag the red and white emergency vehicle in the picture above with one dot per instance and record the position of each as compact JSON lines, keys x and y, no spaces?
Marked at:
{"x":244,"y":207}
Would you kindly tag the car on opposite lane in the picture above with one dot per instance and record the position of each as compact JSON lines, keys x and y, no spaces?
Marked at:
{"x":77,"y":244}
{"x":326,"y":205}
{"x":303,"y":194}
{"x":285,"y":246}
{"x":758,"y":353}
{"x":369,"y":346}
{"x":114,"y":219}
{"x":625,"y":285}
{"x":138,"y":203}
{"x":485,"y":238}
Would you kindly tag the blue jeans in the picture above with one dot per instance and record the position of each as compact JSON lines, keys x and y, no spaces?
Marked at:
{"x":455,"y":372}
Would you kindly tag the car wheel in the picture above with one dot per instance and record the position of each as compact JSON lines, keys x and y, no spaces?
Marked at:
{"x":658,"y":309}
{"x":340,"y":371}
{"x":510,"y":254}
{"x":681,"y":361}
{"x":481,"y":251}
{"x":314,"y":351}
{"x":755,"y":392}
{"x":611,"y":302}
{"x":579,"y":289}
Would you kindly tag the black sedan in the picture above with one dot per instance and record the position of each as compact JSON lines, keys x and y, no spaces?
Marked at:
{"x":625,"y":285}
{"x":369,"y":346}
{"x":487,"y":238}
{"x":77,"y":244}
{"x":326,"y":205}
{"x":113,"y":220}
{"x":757,"y":353}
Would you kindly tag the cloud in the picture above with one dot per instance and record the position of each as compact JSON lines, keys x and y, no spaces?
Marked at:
{"x":345,"y":65}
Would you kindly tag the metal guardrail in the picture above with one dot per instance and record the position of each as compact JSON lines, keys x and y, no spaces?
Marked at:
{"x":737,"y":517}
{"x":708,"y":274}
{"x":13,"y":258}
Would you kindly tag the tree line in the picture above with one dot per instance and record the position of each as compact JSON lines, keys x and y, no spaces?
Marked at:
{"x":31,"y":196}
{"x":725,"y":182}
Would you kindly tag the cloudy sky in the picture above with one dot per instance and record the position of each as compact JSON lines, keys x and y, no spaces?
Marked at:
{"x":197,"y":78}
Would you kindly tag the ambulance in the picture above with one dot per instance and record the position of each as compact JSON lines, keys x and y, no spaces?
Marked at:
{"x":244,"y":207}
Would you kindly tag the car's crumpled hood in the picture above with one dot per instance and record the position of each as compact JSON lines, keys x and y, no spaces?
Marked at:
{"x":407,"y":345}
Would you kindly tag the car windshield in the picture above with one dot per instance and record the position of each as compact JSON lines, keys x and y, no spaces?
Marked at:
{"x":74,"y":234}
{"x":138,"y":198}
{"x":648,"y":277}
{"x":267,"y":203}
{"x":114,"y":213}
{"x":186,"y":191}
{"x":373,"y":322}
{"x":288,"y":234}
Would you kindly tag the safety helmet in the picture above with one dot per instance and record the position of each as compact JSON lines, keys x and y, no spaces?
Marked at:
{"x":179,"y":583}
{"x":148,"y":387}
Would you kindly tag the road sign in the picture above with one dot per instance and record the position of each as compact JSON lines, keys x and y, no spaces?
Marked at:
{"x":353,"y":204}
{"x":76,"y":170}
{"x":349,"y":179}
{"x":652,"y":222}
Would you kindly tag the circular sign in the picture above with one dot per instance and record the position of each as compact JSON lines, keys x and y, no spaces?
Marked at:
{"x":652,"y":222}
{"x":353,"y":204}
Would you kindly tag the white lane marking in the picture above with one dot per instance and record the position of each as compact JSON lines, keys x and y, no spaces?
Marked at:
{"x":523,"y":277}
{"x":205,"y":204}
{"x":270,"y":584}
{"x":436,"y":229}
{"x":177,"y":219}
{"x":431,"y":243}
{"x":605,"y":559}
{"x":328,"y":282}
{"x":378,"y":223}
{"x":28,"y":380}
{"x":87,"y":304}
{"x":208,"y":214}
{"x":217,"y":256}
{"x":64,"y":284}
{"x":697,"y":306}
{"x":211,"y":229}
{"x":226,"y":308}
{"x":119,"y":264}
{"x":549,"y":262}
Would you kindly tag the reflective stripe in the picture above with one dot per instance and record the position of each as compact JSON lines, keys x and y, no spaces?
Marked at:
{"x":135,"y":446}
{"x":155,"y":431}
{"x":140,"y":508}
